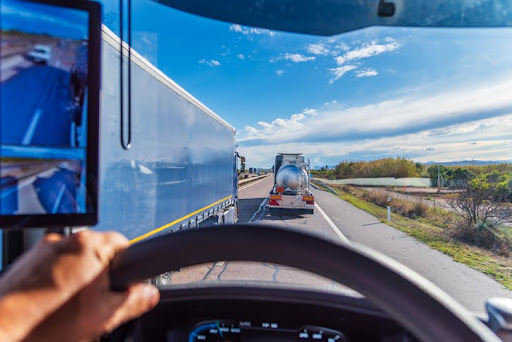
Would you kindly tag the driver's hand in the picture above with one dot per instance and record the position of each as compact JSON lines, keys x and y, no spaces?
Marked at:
{"x":59,"y":290}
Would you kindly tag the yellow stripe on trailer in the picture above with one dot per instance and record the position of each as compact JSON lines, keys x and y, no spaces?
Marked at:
{"x":157,"y":230}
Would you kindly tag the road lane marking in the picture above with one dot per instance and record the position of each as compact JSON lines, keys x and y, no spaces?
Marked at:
{"x":32,"y":127}
{"x":333,"y":226}
{"x":262,"y":205}
{"x":251,"y":184}
{"x":59,"y":198}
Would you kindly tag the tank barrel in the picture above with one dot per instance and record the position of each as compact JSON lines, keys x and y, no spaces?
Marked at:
{"x":292,"y":177}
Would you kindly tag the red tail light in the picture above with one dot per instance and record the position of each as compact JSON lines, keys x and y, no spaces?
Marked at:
{"x":273,"y":202}
{"x":310,"y":202}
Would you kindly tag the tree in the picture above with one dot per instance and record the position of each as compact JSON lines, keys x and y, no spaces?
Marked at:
{"x":420,"y":169}
{"x":481,"y":200}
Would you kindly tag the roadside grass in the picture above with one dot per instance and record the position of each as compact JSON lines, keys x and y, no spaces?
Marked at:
{"x":433,"y":230}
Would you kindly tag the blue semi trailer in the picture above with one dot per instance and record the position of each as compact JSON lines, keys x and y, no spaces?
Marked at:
{"x":180,"y":171}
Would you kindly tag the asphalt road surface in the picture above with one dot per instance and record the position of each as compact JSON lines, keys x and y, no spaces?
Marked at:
{"x":35,"y":108}
{"x":38,"y":188}
{"x":468,"y":286}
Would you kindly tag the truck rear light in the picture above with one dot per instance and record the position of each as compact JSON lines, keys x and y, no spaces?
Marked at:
{"x":279,"y":190}
{"x":275,"y":197}
{"x":273,"y":202}
{"x":310,"y":200}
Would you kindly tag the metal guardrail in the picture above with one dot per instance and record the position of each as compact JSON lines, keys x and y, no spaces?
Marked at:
{"x":252,"y":179}
{"x":322,"y":184}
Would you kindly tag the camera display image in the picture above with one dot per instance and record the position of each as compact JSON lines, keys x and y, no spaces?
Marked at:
{"x":43,"y":108}
{"x":35,"y":186}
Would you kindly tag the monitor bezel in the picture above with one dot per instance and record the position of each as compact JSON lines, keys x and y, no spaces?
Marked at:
{"x":90,"y":218}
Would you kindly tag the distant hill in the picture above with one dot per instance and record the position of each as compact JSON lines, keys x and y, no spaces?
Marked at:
{"x":469,"y":162}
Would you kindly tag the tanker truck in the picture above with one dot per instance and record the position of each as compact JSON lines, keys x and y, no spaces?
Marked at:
{"x":290,"y":193}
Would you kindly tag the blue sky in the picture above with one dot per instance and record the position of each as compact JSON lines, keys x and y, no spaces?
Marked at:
{"x":428,"y":94}
{"x":38,"y":18}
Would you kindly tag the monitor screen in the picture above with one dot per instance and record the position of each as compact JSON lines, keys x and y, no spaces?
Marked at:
{"x":46,"y":113}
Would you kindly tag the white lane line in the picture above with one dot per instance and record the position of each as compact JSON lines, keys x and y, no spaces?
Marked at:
{"x":59,"y":198}
{"x":32,"y":127}
{"x":251,"y":184}
{"x":262,"y":206}
{"x":333,"y":226}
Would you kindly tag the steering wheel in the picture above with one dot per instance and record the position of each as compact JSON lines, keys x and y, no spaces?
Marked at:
{"x":421,"y":307}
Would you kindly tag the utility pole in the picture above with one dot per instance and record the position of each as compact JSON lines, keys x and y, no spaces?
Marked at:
{"x":438,"y":179}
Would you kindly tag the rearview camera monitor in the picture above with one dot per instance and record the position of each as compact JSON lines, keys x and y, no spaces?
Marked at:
{"x":49,"y":102}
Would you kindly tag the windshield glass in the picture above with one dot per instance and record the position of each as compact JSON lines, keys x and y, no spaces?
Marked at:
{"x":394,"y":138}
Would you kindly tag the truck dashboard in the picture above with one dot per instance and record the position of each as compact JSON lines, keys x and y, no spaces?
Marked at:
{"x":241,"y":312}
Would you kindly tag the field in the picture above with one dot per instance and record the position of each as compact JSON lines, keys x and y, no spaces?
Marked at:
{"x":488,"y":251}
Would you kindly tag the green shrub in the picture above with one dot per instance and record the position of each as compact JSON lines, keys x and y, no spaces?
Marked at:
{"x":386,"y":167}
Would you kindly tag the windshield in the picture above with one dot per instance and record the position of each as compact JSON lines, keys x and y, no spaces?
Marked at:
{"x":394,"y":138}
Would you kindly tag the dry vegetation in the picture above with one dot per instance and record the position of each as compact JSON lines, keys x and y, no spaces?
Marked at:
{"x":449,"y":224}
{"x":386,"y":167}
{"x":488,"y":252}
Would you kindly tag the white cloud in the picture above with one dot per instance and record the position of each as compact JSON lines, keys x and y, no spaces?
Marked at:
{"x":279,"y":72}
{"x":277,"y":127}
{"x":330,"y":103}
{"x":294,"y":57}
{"x":297,"y":58}
{"x":318,"y":49}
{"x":250,"y":30}
{"x":340,"y":71}
{"x":310,"y":111}
{"x":439,"y":127}
{"x":241,"y":56}
{"x":495,"y":143}
{"x":368,"y":72}
{"x":342,"y":47}
{"x":211,"y":63}
{"x":368,"y":50}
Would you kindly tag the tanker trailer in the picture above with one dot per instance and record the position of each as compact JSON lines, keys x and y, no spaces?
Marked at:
{"x":290,"y":193}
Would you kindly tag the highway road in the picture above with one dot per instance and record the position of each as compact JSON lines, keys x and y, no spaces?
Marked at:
{"x":342,"y":220}
{"x":38,"y":99}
